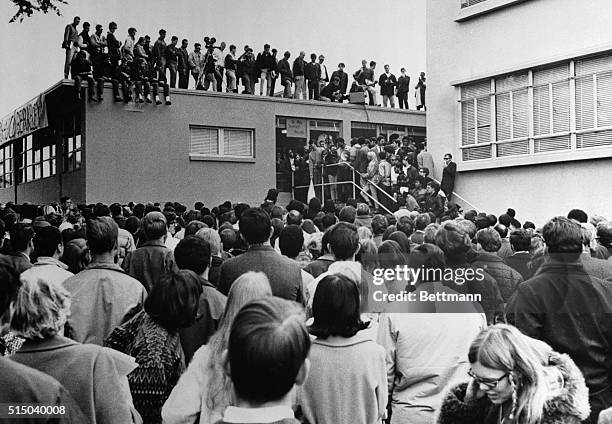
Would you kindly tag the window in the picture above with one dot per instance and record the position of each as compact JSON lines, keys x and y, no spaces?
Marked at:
{"x":6,"y":165}
{"x":72,"y":143}
{"x":38,"y":156}
{"x":530,"y":112}
{"x":221,"y":142}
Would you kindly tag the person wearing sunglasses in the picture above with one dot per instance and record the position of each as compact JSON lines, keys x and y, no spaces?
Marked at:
{"x":516,"y":379}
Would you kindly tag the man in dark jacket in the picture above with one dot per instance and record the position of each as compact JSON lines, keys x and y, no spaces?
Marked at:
{"x":299,"y":66}
{"x":183,"y":65}
{"x":570,"y":310}
{"x":171,"y":54}
{"x":342,"y":76}
{"x":507,"y":278}
{"x":286,"y":76}
{"x":265,"y":65}
{"x":312,"y":73}
{"x":520,"y":241}
{"x":285,"y":275}
{"x":434,"y":203}
{"x":387,"y":82}
{"x":448,"y":175}
{"x":403,"y":86}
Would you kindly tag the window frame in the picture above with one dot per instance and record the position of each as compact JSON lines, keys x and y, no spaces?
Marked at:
{"x":221,"y":156}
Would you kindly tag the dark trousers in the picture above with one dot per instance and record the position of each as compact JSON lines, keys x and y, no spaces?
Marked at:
{"x":219,"y":78}
{"x":172,"y":66}
{"x":403,"y":100}
{"x":272,"y":85}
{"x":90,"y":85}
{"x":183,"y":76}
{"x":313,"y":90}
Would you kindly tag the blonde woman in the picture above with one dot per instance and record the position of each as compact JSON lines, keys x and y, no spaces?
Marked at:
{"x":204,"y":391}
{"x":516,"y":379}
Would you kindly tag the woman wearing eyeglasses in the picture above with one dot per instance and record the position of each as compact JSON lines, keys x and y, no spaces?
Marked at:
{"x":516,"y":380}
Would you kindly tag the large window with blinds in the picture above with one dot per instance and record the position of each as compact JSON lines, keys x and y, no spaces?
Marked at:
{"x":215,"y":142}
{"x":559,"y":107}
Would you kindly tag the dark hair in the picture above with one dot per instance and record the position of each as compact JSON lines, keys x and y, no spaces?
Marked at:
{"x":434,"y":185}
{"x":154,"y":225}
{"x":379,"y":224}
{"x":102,"y":234}
{"x":327,"y":221}
{"x":405,"y":225}
{"x":46,"y":241}
{"x":21,"y":234}
{"x":422,"y":221}
{"x":505,"y":219}
{"x":402,"y":239}
{"x":9,"y":286}
{"x":343,"y":240}
{"x":502,"y":230}
{"x":348,"y":214}
{"x":192,"y":253}
{"x":520,"y":240}
{"x":296,"y":205}
{"x":391,"y":254}
{"x":132,"y":224}
{"x":210,"y":221}
{"x":173,"y":300}
{"x":101,"y":210}
{"x":427,"y":257}
{"x":291,"y":240}
{"x":239,"y":209}
{"x":489,"y":239}
{"x":294,"y":218}
{"x":76,"y":255}
{"x":578,"y":215}
{"x":453,"y":239}
{"x":336,"y":308}
{"x":267,"y":347}
{"x":193,"y":227}
{"x":563,"y":236}
{"x":529,"y":224}
{"x":255,"y":226}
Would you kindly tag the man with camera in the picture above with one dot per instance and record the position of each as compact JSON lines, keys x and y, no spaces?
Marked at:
{"x":208,"y":78}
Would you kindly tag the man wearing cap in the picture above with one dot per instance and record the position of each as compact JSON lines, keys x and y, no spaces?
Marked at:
{"x":286,"y":76}
{"x":324,"y":79}
{"x":403,"y":86}
{"x":70,"y":36}
{"x":342,"y":77}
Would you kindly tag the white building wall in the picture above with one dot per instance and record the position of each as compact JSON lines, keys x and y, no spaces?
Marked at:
{"x":515,"y":37}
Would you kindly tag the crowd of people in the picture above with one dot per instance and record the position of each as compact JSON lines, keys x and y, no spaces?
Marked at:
{"x":236,"y":314}
{"x":139,"y":66}
{"x":391,"y":174}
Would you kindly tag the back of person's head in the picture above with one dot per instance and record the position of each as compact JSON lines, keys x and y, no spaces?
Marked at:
{"x":193,"y":226}
{"x":314,"y":205}
{"x":505,"y":219}
{"x":173,"y":300}
{"x":347,"y":214}
{"x":391,"y":255}
{"x":327,"y":221}
{"x":9,"y":286}
{"x":422,"y":221}
{"x":47,"y":241}
{"x":76,"y":255}
{"x":294,"y":218}
{"x":604,"y":233}
{"x":578,"y":215}
{"x":132,"y":224}
{"x":363,"y":209}
{"x":452,"y":239}
{"x":40,"y":309}
{"x":255,"y":226}
{"x":229,"y":239}
{"x":268,"y":346}
{"x":379,"y":224}
{"x":405,"y":225}
{"x":192,"y":253}
{"x":296,"y":205}
{"x":343,"y":241}
{"x":563,"y":238}
{"x":210,"y":221}
{"x":101,"y":209}
{"x":336,"y":307}
{"x":429,"y":233}
{"x":402,"y":239}
{"x":308,"y":226}
{"x":364,"y":233}
{"x":520,"y":240}
{"x":116,"y":209}
{"x":277,"y":212}
{"x":213,"y":239}
{"x":291,"y":240}
{"x":351,"y":201}
{"x":102,"y":233}
{"x":489,"y":240}
{"x":154,"y":225}
{"x":502,"y":230}
{"x":492,"y":219}
{"x":430,"y":258}
{"x":482,"y":222}
{"x":21,"y":234}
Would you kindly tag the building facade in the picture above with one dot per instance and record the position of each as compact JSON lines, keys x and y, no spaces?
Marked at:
{"x":206,"y":146}
{"x":520,"y":92}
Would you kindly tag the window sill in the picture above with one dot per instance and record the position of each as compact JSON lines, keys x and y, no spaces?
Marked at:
{"x":221,"y":159}
{"x":482,"y":8}
{"x":536,"y":159}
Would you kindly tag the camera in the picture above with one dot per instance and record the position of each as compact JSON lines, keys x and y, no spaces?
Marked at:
{"x":209,"y":42}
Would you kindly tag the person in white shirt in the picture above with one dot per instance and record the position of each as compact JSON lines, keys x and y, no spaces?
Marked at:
{"x":128,"y":47}
{"x":324,"y":75}
{"x":220,"y":62}
{"x":196,"y":64}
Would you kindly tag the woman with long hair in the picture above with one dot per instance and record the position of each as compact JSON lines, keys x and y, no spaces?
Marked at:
{"x":516,"y":379}
{"x":204,"y":390}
